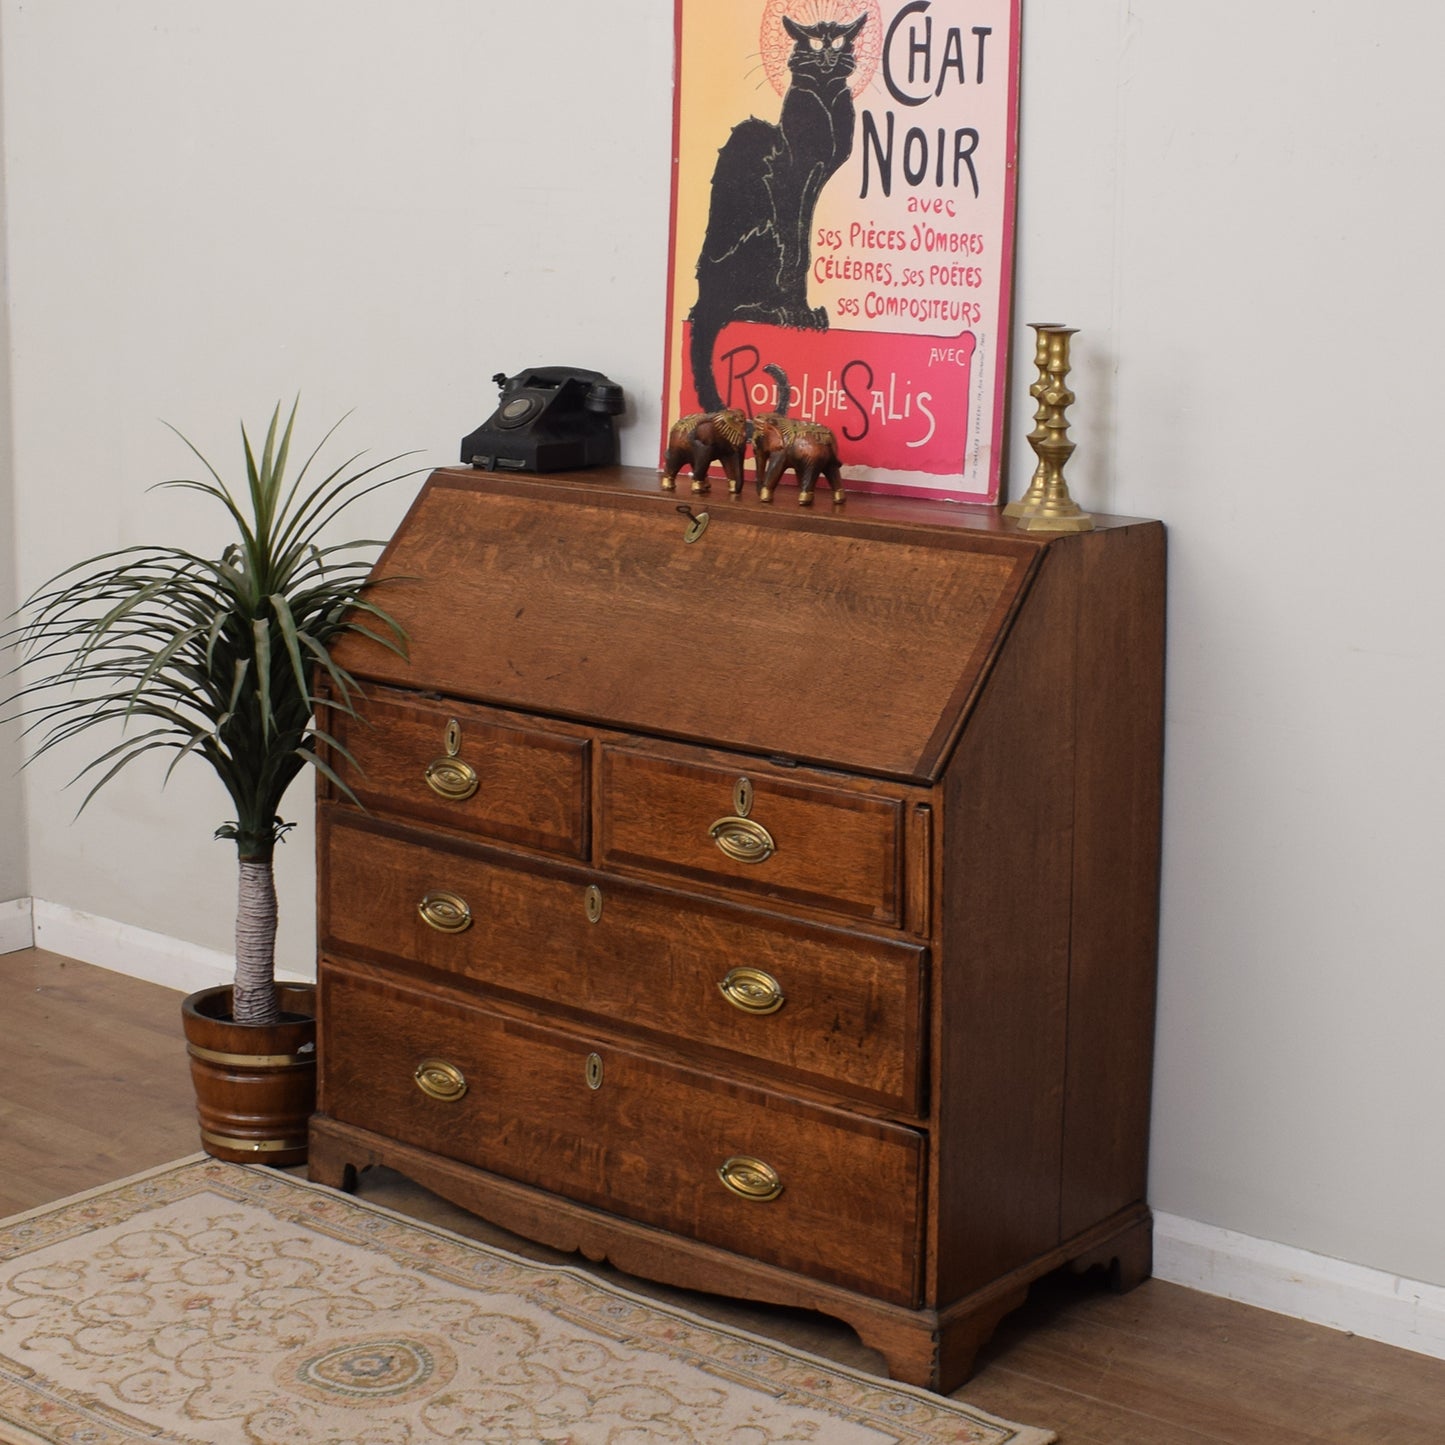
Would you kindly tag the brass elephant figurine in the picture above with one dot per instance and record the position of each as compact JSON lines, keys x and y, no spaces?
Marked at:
{"x":698,"y":440}
{"x":810,"y":449}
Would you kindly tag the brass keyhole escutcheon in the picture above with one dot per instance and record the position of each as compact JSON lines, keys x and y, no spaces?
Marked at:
{"x":594,"y":1071}
{"x":752,"y":990}
{"x":446,"y":912}
{"x":751,"y":1179}
{"x":449,"y":777}
{"x":592,"y":902}
{"x":743,"y":797}
{"x":440,"y":1080}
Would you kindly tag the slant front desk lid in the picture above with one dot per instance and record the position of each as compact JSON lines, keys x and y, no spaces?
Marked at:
{"x":853,"y":637}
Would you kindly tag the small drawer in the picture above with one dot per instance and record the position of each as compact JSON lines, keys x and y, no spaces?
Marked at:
{"x":753,"y":832}
{"x":809,"y":1189}
{"x":463,"y":767}
{"x":814,"y":1004}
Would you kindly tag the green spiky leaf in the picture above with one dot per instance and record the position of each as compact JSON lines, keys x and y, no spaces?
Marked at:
{"x":226,"y":653}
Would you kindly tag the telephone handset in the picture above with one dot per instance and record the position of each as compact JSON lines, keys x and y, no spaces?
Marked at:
{"x":548,"y":419}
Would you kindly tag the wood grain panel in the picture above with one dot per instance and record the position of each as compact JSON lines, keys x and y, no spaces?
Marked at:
{"x":652,"y":962}
{"x":837,"y":850}
{"x":823,"y":640}
{"x":532,"y":781}
{"x":1002,"y":982}
{"x":1115,"y":909}
{"x":647,"y":1143}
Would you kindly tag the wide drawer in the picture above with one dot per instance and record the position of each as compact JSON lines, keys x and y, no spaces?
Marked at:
{"x":820,"y":1005}
{"x":467,"y":768}
{"x":753,"y":832}
{"x":809,"y":1189}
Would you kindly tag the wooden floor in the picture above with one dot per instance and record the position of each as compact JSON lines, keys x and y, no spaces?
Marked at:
{"x":94,"y":1086}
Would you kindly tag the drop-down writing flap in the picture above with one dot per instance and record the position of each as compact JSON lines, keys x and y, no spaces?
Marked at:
{"x":846,"y":640}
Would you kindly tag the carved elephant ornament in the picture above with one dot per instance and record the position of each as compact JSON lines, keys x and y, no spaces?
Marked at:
{"x":781,"y":443}
{"x":699,"y":440}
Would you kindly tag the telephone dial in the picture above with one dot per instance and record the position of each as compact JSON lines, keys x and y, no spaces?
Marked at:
{"x":548,"y":419}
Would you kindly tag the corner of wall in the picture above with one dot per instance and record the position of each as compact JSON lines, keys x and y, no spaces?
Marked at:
{"x":17,"y":926}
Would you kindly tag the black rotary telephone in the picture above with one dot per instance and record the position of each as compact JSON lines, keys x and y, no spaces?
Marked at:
{"x":549,"y":419}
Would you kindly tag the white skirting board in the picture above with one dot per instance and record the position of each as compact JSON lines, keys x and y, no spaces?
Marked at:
{"x":1290,"y":1281}
{"x":1278,"y":1277}
{"x":136,"y":952}
{"x":17,"y":930}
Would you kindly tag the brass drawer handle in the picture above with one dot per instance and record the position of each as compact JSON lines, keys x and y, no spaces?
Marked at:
{"x":752,"y":990}
{"x":452,"y":779}
{"x":445,"y":912}
{"x":439,"y":1080}
{"x":743,"y":840}
{"x":751,"y":1179}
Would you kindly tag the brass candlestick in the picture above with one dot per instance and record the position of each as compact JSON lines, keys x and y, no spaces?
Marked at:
{"x":1034,"y":496}
{"x":1056,"y":510}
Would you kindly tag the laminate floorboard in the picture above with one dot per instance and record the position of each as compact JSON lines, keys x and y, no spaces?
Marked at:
{"x":94,"y":1085}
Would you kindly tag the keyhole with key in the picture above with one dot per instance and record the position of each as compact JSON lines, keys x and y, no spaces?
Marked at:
{"x":697,"y":525}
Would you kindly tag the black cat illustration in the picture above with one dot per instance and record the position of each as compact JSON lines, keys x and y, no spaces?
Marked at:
{"x":755,"y":255}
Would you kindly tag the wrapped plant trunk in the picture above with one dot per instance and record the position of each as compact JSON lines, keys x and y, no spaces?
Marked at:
{"x":254,"y":991}
{"x":217,"y":657}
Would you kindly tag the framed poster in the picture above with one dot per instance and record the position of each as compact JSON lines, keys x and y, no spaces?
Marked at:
{"x":843,"y":219}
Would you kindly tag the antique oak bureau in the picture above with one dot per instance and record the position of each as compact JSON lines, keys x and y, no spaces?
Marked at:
{"x":762,"y":899}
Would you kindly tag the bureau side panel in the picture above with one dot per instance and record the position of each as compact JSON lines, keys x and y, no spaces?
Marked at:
{"x":1002,"y":985}
{"x":1120,"y":723}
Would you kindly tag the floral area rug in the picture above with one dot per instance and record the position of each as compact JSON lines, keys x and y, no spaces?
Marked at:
{"x":226,"y":1303}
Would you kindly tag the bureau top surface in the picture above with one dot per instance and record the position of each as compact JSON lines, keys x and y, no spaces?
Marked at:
{"x":853,"y":636}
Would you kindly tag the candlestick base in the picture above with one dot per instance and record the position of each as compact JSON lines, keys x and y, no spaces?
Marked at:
{"x":1077,"y":521}
{"x":1047,"y":505}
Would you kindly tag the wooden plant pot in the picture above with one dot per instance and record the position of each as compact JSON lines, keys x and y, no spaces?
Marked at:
{"x":255,"y":1083}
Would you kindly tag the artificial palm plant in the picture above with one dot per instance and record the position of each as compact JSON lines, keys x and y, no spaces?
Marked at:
{"x":218,"y":659}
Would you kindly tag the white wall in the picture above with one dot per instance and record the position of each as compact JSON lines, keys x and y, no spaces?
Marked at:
{"x":1272,"y":328}
{"x":14,"y":863}
{"x":1229,"y":200}
{"x":213,"y":206}
{"x":375,"y":206}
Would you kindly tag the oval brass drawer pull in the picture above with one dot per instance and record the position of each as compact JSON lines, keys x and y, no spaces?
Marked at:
{"x":452,"y":779}
{"x":446,"y":912}
{"x":752,"y":990}
{"x":743,"y":840}
{"x":751,"y":1179}
{"x":440,"y":1080}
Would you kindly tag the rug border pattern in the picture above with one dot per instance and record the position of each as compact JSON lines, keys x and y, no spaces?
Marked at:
{"x":795,"y":1378}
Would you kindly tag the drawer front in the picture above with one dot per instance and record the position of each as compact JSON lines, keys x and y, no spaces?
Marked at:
{"x":819,"y":1005}
{"x":753,"y":833}
{"x":813,"y":1190}
{"x":463,"y":768}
